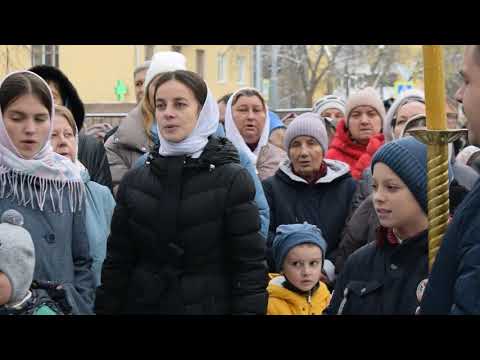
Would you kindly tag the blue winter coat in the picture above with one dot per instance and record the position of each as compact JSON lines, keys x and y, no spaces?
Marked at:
{"x":454,"y":283}
{"x":99,"y":211}
{"x":260,"y":198}
{"x":61,"y":250}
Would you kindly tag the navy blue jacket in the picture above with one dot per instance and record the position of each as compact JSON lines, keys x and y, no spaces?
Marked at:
{"x":324,"y":204}
{"x":454,"y":283}
{"x":382,"y":278}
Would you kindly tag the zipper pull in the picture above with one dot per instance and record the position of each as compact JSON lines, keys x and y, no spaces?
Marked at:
{"x":344,"y":301}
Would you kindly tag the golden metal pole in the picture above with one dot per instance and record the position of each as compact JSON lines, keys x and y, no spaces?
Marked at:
{"x":434,"y":87}
{"x":437,"y":137}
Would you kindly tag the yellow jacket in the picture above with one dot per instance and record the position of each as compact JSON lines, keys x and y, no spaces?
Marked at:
{"x":282,"y":301}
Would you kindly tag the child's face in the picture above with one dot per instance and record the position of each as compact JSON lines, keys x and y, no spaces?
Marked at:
{"x":5,"y":289}
{"x":303,"y":266}
{"x":395,"y":205}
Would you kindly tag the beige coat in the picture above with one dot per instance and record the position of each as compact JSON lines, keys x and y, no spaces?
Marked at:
{"x":126,"y":145}
{"x":269,"y":160}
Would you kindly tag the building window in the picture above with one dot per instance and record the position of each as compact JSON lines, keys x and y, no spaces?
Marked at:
{"x":222,"y":68}
{"x":177,"y":48}
{"x":200,"y":62}
{"x":241,"y":69}
{"x":45,"y":55}
{"x":149,"y":49}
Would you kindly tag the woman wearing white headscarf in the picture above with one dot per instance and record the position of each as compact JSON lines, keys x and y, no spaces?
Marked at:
{"x":247,"y":125}
{"x":136,"y":135}
{"x":45,"y":187}
{"x":185,"y":234}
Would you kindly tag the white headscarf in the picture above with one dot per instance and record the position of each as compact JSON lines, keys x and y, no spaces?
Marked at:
{"x":234,"y":135}
{"x":51,"y":171}
{"x":193,"y":144}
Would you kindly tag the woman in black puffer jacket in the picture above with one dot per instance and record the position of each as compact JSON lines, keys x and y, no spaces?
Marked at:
{"x":185,"y":234}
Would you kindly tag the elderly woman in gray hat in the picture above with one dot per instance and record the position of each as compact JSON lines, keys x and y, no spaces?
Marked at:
{"x":306,"y":186}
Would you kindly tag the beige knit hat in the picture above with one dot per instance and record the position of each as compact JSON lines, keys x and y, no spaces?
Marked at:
{"x":365,"y":97}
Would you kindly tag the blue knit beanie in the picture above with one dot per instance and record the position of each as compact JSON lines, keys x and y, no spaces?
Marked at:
{"x":289,"y":236}
{"x":407,"y":157}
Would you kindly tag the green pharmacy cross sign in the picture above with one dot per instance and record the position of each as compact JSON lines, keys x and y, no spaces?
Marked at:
{"x":120,"y":90}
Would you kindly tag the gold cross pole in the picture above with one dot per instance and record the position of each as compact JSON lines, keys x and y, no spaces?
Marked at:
{"x":437,"y":137}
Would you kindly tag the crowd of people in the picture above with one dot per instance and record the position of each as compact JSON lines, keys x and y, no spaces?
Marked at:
{"x":204,"y":204}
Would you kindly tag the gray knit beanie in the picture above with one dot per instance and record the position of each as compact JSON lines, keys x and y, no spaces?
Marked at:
{"x":17,"y":254}
{"x":307,"y":124}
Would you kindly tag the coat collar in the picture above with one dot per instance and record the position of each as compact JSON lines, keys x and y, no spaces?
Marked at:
{"x":386,"y":239}
{"x":335,"y":170}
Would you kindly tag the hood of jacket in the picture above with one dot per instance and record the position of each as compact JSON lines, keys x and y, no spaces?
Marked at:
{"x":335,"y":169}
{"x":69,"y":94}
{"x":277,"y":290}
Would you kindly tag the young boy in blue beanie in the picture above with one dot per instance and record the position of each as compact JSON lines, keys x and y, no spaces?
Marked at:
{"x":387,"y":275}
{"x":18,"y":296}
{"x":298,"y":252}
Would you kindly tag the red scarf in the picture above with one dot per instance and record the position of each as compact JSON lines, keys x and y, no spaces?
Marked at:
{"x":343,"y":148}
{"x":387,"y":235}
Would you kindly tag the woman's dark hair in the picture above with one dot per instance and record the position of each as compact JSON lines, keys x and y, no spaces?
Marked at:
{"x":188,"y":78}
{"x":24,"y":83}
{"x":224,"y":98}
{"x":249,"y":92}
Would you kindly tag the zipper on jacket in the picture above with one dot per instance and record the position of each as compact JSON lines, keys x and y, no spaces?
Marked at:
{"x":344,"y":301}
{"x":309,"y":301}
